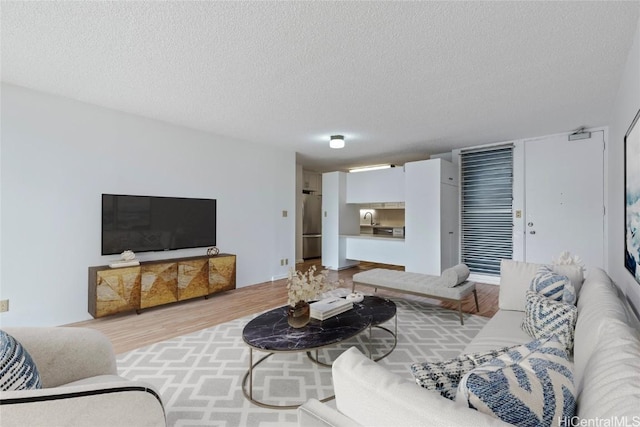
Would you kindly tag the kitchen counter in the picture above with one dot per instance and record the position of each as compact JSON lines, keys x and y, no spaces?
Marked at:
{"x":374,"y":248}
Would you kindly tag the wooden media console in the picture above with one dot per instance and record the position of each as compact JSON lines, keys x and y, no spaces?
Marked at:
{"x":154,"y":283}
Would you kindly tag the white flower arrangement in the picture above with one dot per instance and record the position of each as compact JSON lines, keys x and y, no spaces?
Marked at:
{"x":565,"y":258}
{"x":307,"y":286}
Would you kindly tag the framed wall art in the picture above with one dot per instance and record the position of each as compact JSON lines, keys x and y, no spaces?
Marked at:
{"x":632,"y":198}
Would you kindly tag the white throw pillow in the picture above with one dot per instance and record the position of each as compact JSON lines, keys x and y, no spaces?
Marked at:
{"x":573,"y":272}
{"x":515,"y":278}
{"x":454,"y":276}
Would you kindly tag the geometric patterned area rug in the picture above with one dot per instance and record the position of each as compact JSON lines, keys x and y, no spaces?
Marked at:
{"x":199,"y":375}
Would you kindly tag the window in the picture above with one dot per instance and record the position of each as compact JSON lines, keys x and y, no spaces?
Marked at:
{"x":486,"y":219}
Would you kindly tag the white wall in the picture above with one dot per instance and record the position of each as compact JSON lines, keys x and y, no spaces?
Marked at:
{"x":59,"y":156}
{"x":624,"y":110}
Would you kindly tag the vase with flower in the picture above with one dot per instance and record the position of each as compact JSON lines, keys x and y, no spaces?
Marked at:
{"x":301,"y":288}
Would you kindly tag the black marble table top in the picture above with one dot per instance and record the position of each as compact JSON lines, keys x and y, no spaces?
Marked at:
{"x":270,"y":331}
{"x":380,"y":309}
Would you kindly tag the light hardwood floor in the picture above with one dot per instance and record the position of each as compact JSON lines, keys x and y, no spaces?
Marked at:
{"x":129,"y":331}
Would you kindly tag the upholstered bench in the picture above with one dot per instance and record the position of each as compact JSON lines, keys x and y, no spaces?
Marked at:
{"x":417,"y":284}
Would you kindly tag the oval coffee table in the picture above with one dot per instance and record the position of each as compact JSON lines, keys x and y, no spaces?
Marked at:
{"x":271,"y":332}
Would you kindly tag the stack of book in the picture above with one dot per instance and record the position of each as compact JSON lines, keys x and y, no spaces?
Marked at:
{"x":124,"y":263}
{"x":329,"y":307}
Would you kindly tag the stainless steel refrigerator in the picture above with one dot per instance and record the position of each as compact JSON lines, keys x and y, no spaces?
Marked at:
{"x":311,"y":226}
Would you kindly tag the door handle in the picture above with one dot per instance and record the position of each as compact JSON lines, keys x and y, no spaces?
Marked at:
{"x":532,"y":232}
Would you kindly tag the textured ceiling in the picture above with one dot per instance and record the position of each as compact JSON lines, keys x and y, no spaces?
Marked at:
{"x":401,"y":80}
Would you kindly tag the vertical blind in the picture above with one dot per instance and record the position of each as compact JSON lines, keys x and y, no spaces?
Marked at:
{"x":487,"y":196}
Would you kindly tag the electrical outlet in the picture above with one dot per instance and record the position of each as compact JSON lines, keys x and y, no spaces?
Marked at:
{"x":286,"y":261}
{"x":284,"y":214}
{"x":281,"y":261}
{"x":4,"y":305}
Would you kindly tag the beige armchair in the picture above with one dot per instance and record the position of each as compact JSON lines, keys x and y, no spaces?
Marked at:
{"x":80,"y":384}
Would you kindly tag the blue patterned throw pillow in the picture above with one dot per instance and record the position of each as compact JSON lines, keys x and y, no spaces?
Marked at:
{"x":531,"y":385}
{"x":17,"y":369}
{"x":544,"y":318}
{"x":553,"y":285}
{"x":444,"y":376}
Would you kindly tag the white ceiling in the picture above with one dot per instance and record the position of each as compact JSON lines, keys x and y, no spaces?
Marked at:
{"x":401,"y":80}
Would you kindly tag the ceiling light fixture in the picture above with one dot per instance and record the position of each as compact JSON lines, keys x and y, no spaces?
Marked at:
{"x":370,"y":168}
{"x":336,"y":141}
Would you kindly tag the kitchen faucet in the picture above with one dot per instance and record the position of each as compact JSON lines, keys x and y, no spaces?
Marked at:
{"x":365,"y":216}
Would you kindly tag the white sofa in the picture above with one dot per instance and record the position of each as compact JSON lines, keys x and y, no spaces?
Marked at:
{"x":606,"y":366}
{"x":80,"y":384}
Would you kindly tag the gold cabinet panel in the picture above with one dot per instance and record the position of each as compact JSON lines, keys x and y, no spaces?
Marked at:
{"x":159,"y":284}
{"x":193,"y":280}
{"x":116,"y":290}
{"x":222,"y":273}
{"x":154,"y":283}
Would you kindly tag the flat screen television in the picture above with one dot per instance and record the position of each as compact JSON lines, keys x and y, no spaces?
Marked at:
{"x":148,"y":223}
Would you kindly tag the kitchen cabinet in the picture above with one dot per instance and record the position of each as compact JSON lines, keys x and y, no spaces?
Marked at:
{"x":431,"y":216}
{"x":424,"y":195}
{"x":312,"y":181}
{"x":385,"y":250}
{"x":387,"y":205}
{"x":377,"y":186}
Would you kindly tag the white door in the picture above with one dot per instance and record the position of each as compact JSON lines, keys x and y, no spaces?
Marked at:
{"x":564,"y":199}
